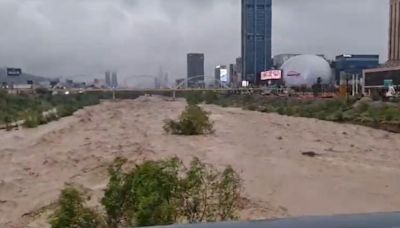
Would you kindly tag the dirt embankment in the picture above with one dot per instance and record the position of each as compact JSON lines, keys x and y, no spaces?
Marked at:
{"x":356,"y":169}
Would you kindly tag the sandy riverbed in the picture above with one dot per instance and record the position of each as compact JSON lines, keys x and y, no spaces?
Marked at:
{"x":358,"y":170}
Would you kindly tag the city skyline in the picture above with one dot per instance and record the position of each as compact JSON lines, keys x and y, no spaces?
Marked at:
{"x":129,"y":39}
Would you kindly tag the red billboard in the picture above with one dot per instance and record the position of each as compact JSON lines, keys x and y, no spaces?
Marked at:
{"x":271,"y":75}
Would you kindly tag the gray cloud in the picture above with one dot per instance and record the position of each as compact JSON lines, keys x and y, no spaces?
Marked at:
{"x":87,"y":37}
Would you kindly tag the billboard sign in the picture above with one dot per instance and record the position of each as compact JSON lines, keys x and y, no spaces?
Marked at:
{"x":14,"y":72}
{"x":223,"y":75}
{"x":271,"y":75}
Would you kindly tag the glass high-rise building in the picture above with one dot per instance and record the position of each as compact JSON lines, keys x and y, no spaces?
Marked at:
{"x":195,"y":70}
{"x":114,"y":80}
{"x":256,"y":38}
{"x":108,"y":79}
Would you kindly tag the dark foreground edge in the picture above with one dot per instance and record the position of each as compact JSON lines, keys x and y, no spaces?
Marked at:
{"x":379,"y":220}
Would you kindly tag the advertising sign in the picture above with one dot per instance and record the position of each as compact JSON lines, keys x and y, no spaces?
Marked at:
{"x":14,"y":72}
{"x":293,"y":74}
{"x":224,"y":75}
{"x":271,"y":75}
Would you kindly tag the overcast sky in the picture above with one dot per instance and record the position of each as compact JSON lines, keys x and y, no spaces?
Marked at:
{"x":87,"y":37}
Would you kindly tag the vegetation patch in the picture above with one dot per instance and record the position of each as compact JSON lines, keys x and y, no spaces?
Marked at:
{"x":31,"y":108}
{"x":193,"y":121}
{"x":71,"y":212}
{"x":376,"y":114}
{"x":156,"y":193}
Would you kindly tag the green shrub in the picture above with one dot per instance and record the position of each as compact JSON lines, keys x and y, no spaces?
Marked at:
{"x":193,"y":121}
{"x":166,"y":192}
{"x":194,"y":98}
{"x":210,"y":97}
{"x":364,"y":106}
{"x":115,"y":194}
{"x":336,"y":116}
{"x":72,"y":214}
{"x":391,"y":114}
{"x":66,"y":110}
{"x":31,"y":121}
{"x":289,"y":111}
{"x":281,"y":111}
{"x":321,"y":115}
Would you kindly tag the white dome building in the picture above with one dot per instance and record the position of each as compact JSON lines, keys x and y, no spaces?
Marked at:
{"x":305,"y":70}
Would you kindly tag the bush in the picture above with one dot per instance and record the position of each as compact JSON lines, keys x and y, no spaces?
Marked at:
{"x":210,"y":97}
{"x":194,"y":98}
{"x":66,"y":110}
{"x":72,"y":214}
{"x":193,"y":121}
{"x":165,"y":192}
{"x":114,"y":196}
{"x":336,"y":116}
{"x":209,"y":196}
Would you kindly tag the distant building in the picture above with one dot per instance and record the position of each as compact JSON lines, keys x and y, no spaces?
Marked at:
{"x":239,"y":70}
{"x":114,"y":80}
{"x":231,"y":73}
{"x":195,"y":70}
{"x":217,"y":71}
{"x":256,"y":38}
{"x":221,"y":75}
{"x":394,"y":33}
{"x":166,"y":81}
{"x":376,"y":80}
{"x":157,"y":84}
{"x":354,"y":64}
{"x":108,"y":79}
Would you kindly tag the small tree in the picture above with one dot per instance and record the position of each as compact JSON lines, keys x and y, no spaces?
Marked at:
{"x":193,"y":121}
{"x":114,"y":196}
{"x":198,"y":192}
{"x":228,"y":194}
{"x":72,"y":214}
{"x":165,"y":192}
{"x":152,"y":189}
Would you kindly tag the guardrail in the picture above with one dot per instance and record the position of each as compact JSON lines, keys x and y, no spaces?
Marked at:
{"x":379,"y":220}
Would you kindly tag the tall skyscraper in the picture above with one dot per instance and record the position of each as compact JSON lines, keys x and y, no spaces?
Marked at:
{"x":114,"y":80}
{"x":108,"y":79}
{"x":256,"y":38}
{"x":195,"y":69}
{"x":394,"y":33}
